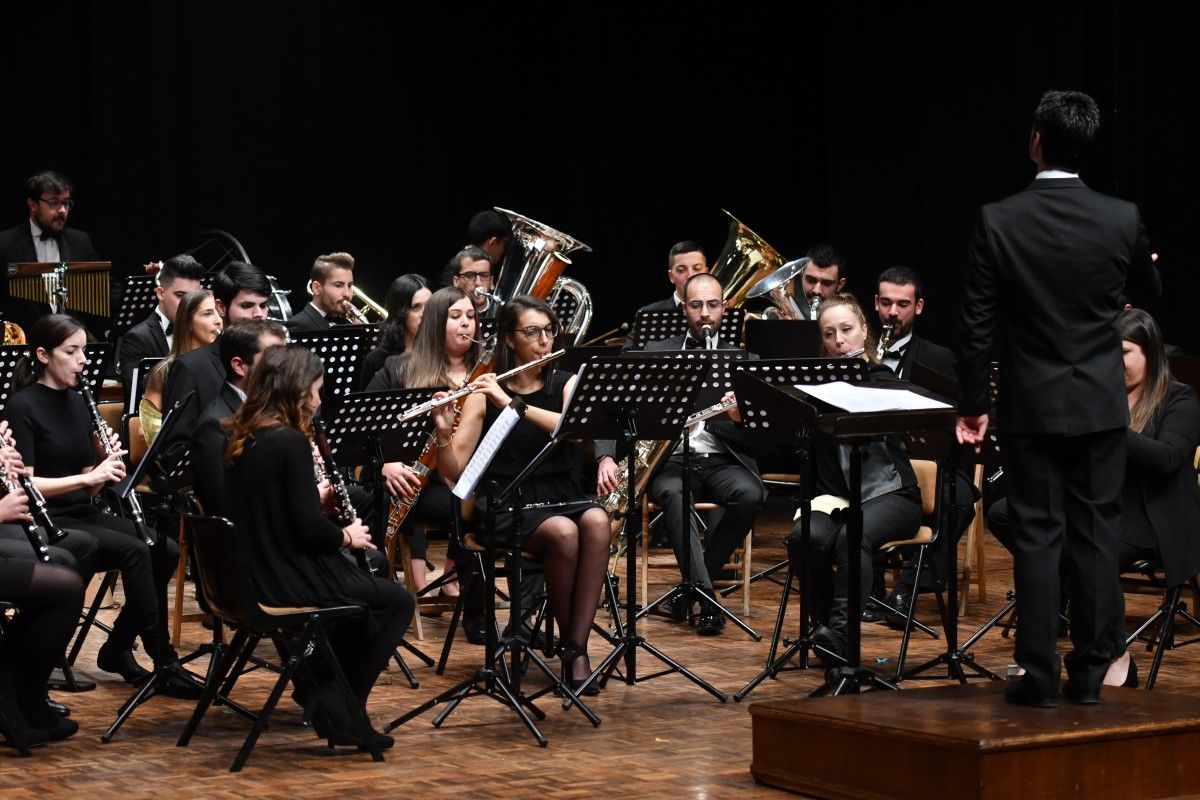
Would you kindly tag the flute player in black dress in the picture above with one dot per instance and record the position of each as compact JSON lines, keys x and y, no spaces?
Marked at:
{"x":572,"y":538}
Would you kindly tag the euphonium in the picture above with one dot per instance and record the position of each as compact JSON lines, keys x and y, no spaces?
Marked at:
{"x":744,"y":261}
{"x":545,"y":251}
{"x":774,"y":287}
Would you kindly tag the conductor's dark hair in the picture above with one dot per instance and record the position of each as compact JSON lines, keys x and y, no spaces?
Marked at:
{"x":901,"y":276}
{"x":238,"y":276}
{"x":825,"y":256}
{"x":486,"y":224}
{"x":240,"y":340}
{"x":1067,"y":122}
{"x":46,"y":181}
{"x":47,"y":333}
{"x":686,"y":246}
{"x":181,"y":266}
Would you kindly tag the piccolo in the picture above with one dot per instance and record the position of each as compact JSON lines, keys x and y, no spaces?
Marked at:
{"x":706,"y":413}
{"x":430,"y":405}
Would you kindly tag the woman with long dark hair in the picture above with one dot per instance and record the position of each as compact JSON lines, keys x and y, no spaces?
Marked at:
{"x":196,"y":324}
{"x":443,"y":353}
{"x":293,"y":551}
{"x":52,"y":427}
{"x":405,"y":304}
{"x":572,"y":534}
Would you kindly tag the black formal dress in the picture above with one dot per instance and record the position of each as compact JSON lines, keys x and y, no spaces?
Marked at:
{"x":309,"y":319}
{"x":293,"y":551}
{"x":144,"y":340}
{"x":1046,"y":268}
{"x":53,"y":432}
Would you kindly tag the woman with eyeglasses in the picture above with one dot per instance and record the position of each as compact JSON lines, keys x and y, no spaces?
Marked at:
{"x":567,"y":531}
{"x":443,"y":353}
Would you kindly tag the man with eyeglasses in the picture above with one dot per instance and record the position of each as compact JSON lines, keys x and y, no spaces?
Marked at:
{"x":722,"y":468}
{"x":43,"y":237}
{"x":473,"y":274}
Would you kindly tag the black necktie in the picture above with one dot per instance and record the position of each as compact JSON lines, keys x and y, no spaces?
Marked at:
{"x":170,"y":328}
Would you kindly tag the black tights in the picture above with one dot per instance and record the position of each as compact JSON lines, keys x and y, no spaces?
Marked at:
{"x":48,"y":603}
{"x":574,"y":557}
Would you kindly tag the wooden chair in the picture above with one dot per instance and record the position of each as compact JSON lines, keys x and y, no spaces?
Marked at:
{"x":294,"y":631}
{"x":974,"y":565}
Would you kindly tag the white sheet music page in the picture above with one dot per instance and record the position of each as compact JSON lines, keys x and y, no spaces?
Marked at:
{"x":465,"y":486}
{"x":857,"y":397}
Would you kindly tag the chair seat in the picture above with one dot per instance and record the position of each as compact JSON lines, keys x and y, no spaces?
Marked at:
{"x":696,"y":506}
{"x":924,"y":536}
{"x":473,"y":545}
{"x":780,"y":477}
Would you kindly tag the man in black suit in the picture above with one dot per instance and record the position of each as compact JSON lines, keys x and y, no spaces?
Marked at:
{"x":490,"y":231}
{"x":474,"y":274}
{"x":723,"y":469}
{"x":684,"y":260}
{"x":1045,"y":269}
{"x":899,"y":299}
{"x":331,"y":283}
{"x":823,"y":276}
{"x":43,"y":237}
{"x":151,"y":338}
{"x":241,"y":292}
{"x":238,"y":349}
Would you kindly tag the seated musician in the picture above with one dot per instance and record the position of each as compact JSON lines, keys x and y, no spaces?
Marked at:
{"x":153,"y":336}
{"x":405,"y":301}
{"x":53,"y":429}
{"x":42,"y":237}
{"x":490,"y":231}
{"x":444,"y":352}
{"x":331,"y":283}
{"x":474,"y":273}
{"x":49,"y":598}
{"x":891,"y":498}
{"x":1160,"y":502}
{"x":723,"y":470}
{"x":239,"y":347}
{"x":684,"y":260}
{"x":197,"y":324}
{"x":572,"y":537}
{"x":293,"y":551}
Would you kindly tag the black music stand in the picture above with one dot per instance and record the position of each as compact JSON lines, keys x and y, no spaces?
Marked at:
{"x":783,"y":338}
{"x":137,"y":302}
{"x":99,"y":355}
{"x":714,"y":383}
{"x":651,"y":326}
{"x":342,"y":350}
{"x":496,"y":679}
{"x":628,"y":400}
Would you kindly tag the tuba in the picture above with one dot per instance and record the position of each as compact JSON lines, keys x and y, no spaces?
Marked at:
{"x":774,"y":288}
{"x":544,"y":253}
{"x":572,"y":302}
{"x":745,"y":260}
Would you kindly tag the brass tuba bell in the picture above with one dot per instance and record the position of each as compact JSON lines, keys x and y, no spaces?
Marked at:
{"x":545,"y":251}
{"x":744,"y":261}
{"x":774,"y":287}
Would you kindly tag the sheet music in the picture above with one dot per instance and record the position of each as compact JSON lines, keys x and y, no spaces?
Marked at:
{"x":855,"y":397}
{"x":465,"y":486}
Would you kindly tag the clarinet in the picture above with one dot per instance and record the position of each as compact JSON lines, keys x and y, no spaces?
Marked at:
{"x":346,"y":512}
{"x":101,"y":429}
{"x":31,"y":531}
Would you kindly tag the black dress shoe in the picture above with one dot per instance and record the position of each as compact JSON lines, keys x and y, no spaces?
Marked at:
{"x":332,"y":720}
{"x":475,"y":630}
{"x":1131,"y":677}
{"x":832,"y":641}
{"x":1079,"y":695}
{"x":872,"y":613}
{"x":57,"y":708}
{"x":1020,"y":692}
{"x":898,"y":605}
{"x":121,"y":662}
{"x":62,"y":728}
{"x":176,"y":684}
{"x":673,"y":609}
{"x":710,"y":623}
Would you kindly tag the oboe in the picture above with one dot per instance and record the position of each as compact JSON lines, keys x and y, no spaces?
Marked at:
{"x":101,"y":429}
{"x":31,"y":531}
{"x":346,"y":512}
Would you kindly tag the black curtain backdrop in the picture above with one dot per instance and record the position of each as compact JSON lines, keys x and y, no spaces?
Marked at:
{"x":381,"y":128}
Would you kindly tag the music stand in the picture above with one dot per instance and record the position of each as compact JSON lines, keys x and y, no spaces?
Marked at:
{"x":137,"y":302}
{"x":651,"y":326}
{"x":342,"y":350}
{"x":783,"y":338}
{"x":137,"y":387}
{"x":99,"y":354}
{"x":628,"y":400}
{"x":715,"y":381}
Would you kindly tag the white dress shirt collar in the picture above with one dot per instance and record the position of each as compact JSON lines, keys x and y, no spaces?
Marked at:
{"x":46,"y":249}
{"x":1055,"y":173}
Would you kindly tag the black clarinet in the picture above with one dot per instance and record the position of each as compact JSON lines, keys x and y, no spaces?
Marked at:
{"x":346,"y":512}
{"x":101,"y":429}
{"x":32,"y":533}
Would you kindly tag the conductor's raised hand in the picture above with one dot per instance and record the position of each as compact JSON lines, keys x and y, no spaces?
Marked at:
{"x":971,"y":430}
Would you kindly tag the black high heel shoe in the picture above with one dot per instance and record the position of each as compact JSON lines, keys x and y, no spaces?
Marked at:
{"x":331,"y":720}
{"x":568,"y":655}
{"x":1131,"y":676}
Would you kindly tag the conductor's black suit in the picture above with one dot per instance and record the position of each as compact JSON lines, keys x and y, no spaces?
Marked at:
{"x":1045,"y":271}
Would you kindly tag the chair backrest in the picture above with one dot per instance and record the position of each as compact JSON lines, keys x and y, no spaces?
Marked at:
{"x":927,"y":480}
{"x":215,"y":544}
{"x":136,"y":441}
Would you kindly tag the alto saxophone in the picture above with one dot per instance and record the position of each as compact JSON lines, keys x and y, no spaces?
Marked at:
{"x":885,"y":339}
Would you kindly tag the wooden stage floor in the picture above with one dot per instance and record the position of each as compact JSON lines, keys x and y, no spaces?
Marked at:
{"x":662,"y":738}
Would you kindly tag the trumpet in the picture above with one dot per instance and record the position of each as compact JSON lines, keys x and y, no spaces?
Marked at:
{"x":430,"y":405}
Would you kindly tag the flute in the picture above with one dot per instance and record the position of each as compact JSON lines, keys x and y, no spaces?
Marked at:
{"x":712,"y":411}
{"x":101,"y":430}
{"x":430,"y":405}
{"x":346,"y":512}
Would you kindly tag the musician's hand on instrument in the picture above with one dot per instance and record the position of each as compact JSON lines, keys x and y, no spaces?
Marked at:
{"x":110,"y":470}
{"x":488,"y":386}
{"x":15,"y":508}
{"x":114,"y":442}
{"x":971,"y":430}
{"x":6,"y":434}
{"x":443,"y":416}
{"x":153,"y":267}
{"x":358,"y":536}
{"x":606,"y":476}
{"x":401,"y":480}
{"x":325,"y":493}
{"x":733,"y":412}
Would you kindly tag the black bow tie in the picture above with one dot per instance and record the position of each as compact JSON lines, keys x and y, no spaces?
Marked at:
{"x":691,"y":344}
{"x":335,"y":321}
{"x":44,"y":235}
{"x":897,"y":353}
